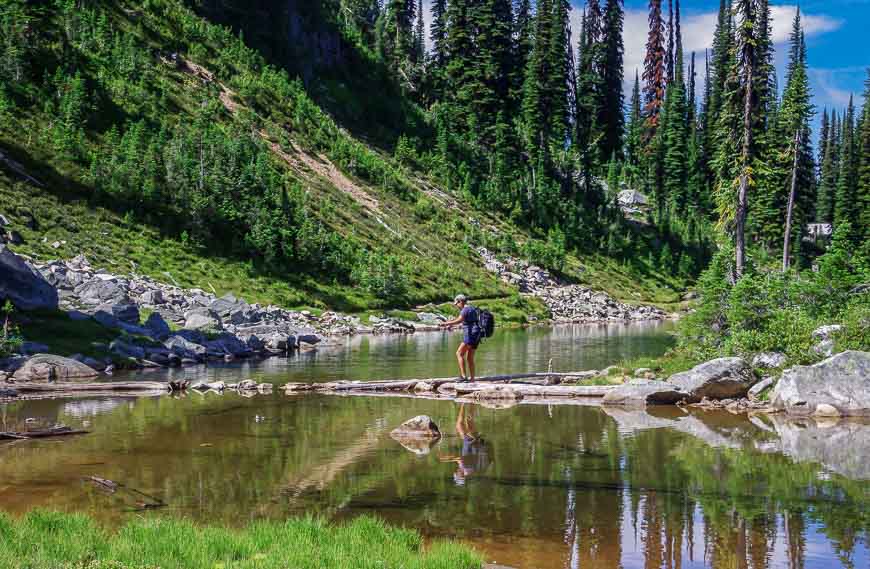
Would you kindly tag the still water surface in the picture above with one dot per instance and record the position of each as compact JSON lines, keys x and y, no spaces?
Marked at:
{"x":533,"y":486}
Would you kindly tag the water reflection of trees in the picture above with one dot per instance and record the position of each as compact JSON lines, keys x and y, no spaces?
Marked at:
{"x":571,"y":487}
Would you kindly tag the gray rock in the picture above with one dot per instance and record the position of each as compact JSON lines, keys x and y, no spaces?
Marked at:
{"x":722,"y":378}
{"x":134,"y":329}
{"x":107,"y":319}
{"x":247,"y":385}
{"x":280,"y":342}
{"x":430,"y":318}
{"x":227,"y":343}
{"x":6,"y":392}
{"x":645,"y":392}
{"x":158,"y":326}
{"x":184,"y":348}
{"x":824,"y":348}
{"x":127,"y":350}
{"x":310,"y":339}
{"x":838,"y":386}
{"x":78,"y":315}
{"x":153,"y":297}
{"x":48,"y":367}
{"x":94,"y":363}
{"x":253,"y":342}
{"x":125,"y":312}
{"x":419,"y":427}
{"x":768,"y":360}
{"x":25,"y":287}
{"x":756,"y":390}
{"x":225,"y":305}
{"x":826,"y":332}
{"x":101,"y":291}
{"x":202,"y":319}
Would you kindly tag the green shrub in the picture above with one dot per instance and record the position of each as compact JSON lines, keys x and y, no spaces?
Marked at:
{"x":10,"y":336}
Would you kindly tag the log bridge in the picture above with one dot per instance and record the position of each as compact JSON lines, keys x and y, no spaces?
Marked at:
{"x":494,"y":387}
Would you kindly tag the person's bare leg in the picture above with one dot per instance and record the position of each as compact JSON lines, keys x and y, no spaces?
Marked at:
{"x":460,"y":358}
{"x":471,"y":363}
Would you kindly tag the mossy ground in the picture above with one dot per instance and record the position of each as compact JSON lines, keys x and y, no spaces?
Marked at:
{"x":48,"y":540}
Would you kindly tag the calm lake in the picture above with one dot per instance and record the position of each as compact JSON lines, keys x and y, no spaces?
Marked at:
{"x":532,"y":486}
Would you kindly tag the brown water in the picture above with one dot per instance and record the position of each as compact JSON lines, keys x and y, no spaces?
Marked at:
{"x":533,"y":486}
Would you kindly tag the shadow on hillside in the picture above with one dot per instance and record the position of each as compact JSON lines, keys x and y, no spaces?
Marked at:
{"x":68,"y":192}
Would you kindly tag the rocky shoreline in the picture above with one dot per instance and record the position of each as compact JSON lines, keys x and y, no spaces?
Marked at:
{"x":165,"y":325}
{"x":567,"y":303}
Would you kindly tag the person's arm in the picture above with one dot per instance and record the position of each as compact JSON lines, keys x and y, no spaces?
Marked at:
{"x":458,"y":320}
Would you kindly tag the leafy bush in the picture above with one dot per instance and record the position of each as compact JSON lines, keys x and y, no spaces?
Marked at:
{"x":10,"y":337}
{"x":381,"y":275}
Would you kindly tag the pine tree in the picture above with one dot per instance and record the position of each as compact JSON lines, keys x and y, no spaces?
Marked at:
{"x":396,"y":41}
{"x":676,"y":131}
{"x":491,"y":67}
{"x":590,"y":88}
{"x":611,"y":116}
{"x":823,"y":137}
{"x":459,"y":73}
{"x":654,"y":70}
{"x":828,"y":174}
{"x":692,"y":104}
{"x":635,"y":126}
{"x":523,"y":44}
{"x":438,"y":34}
{"x":560,"y":56}
{"x":845,"y":203}
{"x":718,"y":73}
{"x":785,"y":159}
{"x":863,"y":189}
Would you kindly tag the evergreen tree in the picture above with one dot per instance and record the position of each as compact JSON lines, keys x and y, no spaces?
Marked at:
{"x":845,"y":203}
{"x":863,"y":189}
{"x":560,"y":56}
{"x":675,"y":136}
{"x":523,"y":44}
{"x":491,"y":67}
{"x":654,"y":70}
{"x":828,"y":174}
{"x":460,"y":73}
{"x":634,"y":130}
{"x":590,"y":88}
{"x":396,"y":41}
{"x":784,"y":158}
{"x":611,"y":115}
{"x":692,"y":104}
{"x":438,"y":34}
{"x":718,"y":74}
{"x":824,"y":126}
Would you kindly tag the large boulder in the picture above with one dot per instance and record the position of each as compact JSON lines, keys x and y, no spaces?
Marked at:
{"x":25,"y":287}
{"x":722,"y":378}
{"x":838,"y":386}
{"x":157,"y":326}
{"x":185,"y":348}
{"x":102,"y":291}
{"x":419,"y":427}
{"x":127,"y":349}
{"x":202,"y":319}
{"x":227,"y":344}
{"x":644,"y":392}
{"x":48,"y":367}
{"x":124,"y":311}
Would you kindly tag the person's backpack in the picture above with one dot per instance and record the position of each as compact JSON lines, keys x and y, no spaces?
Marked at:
{"x":486,"y":321}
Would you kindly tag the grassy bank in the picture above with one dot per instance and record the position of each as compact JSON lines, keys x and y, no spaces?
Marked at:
{"x":43,"y":540}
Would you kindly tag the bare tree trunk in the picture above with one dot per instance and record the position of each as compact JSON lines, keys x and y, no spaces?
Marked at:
{"x":786,"y":246}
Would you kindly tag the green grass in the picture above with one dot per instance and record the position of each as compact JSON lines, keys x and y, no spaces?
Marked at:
{"x":63,"y":335}
{"x":49,"y":540}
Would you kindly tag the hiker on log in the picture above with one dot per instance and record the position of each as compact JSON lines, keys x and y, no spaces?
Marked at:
{"x":469,"y":317}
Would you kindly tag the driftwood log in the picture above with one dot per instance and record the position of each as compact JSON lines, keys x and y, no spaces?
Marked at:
{"x":519,"y":385}
{"x":108,"y":386}
{"x":45,"y":433}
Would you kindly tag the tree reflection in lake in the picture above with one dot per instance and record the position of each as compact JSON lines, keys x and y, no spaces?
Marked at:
{"x":562,"y":486}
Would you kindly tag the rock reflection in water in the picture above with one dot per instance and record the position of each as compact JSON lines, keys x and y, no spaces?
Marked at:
{"x":558,"y":487}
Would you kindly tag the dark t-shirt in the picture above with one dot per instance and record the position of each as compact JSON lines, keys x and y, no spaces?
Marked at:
{"x":469,"y":316}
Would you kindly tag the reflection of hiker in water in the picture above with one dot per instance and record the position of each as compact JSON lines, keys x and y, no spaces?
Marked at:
{"x":475,"y":451}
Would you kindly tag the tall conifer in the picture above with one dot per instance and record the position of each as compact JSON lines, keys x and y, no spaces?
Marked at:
{"x":611,"y":115}
{"x":654,"y":70}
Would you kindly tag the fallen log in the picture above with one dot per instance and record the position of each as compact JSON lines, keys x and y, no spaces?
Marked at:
{"x":408,"y":384}
{"x":533,"y":390}
{"x":55,"y":432}
{"x":68,"y":387}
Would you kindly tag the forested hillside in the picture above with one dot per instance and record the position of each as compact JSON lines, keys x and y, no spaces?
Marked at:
{"x":341,"y":153}
{"x":253,"y":157}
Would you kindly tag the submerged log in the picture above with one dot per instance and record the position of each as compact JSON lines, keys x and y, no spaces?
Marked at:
{"x":67,"y":387}
{"x":54,"y":432}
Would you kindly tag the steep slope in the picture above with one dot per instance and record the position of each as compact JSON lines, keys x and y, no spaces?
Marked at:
{"x":157,"y":140}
